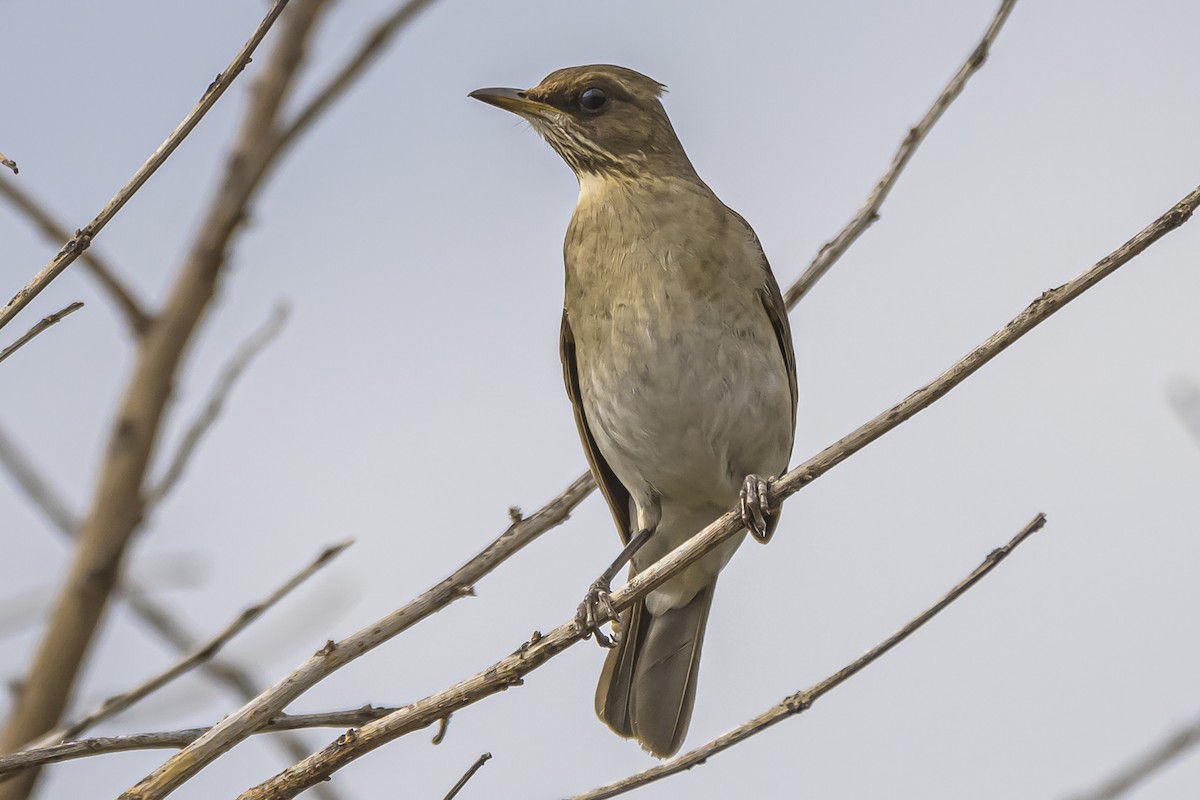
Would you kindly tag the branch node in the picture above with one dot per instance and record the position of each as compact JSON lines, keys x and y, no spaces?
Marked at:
{"x":979,"y":55}
{"x":1180,"y":214}
{"x":798,"y":703}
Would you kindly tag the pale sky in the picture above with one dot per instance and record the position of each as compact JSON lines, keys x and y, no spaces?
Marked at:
{"x":416,"y":392}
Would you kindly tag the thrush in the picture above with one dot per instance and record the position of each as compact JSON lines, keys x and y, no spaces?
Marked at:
{"x":677,"y":357}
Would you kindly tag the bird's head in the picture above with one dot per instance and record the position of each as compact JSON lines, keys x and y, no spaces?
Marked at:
{"x":603,"y":120}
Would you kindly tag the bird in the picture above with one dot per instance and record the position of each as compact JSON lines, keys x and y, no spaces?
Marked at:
{"x":678,"y":359}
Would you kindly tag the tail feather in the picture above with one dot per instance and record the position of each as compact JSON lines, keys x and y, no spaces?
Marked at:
{"x":647,"y":688}
{"x":616,"y":678}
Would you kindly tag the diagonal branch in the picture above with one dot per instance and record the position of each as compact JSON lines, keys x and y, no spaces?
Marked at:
{"x":510,"y":671}
{"x":83,"y":237}
{"x":136,"y":317}
{"x":470,"y":773}
{"x":199,"y":655}
{"x":866,"y":216}
{"x":801,"y":701}
{"x":102,"y":745}
{"x":46,"y":322}
{"x":228,"y":378}
{"x":1146,"y":764}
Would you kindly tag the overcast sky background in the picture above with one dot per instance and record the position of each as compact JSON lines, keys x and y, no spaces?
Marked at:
{"x":416,"y":392}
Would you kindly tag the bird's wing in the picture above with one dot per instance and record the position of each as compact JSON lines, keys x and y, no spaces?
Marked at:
{"x":772,"y":300}
{"x":614,"y":491}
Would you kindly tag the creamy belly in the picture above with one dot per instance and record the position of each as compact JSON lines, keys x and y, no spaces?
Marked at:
{"x":682,"y":414}
{"x":687,"y":414}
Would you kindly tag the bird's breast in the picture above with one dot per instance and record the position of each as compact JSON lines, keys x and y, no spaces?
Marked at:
{"x":683,"y":382}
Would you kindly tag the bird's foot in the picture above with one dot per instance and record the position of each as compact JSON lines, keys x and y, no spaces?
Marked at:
{"x":595,"y":610}
{"x":755,"y":505}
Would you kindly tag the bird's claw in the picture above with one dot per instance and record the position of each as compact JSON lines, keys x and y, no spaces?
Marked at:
{"x":755,"y":504}
{"x":595,"y":610}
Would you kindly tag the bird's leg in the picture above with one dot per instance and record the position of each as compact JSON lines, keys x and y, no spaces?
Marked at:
{"x":597,"y":607}
{"x":755,"y":504}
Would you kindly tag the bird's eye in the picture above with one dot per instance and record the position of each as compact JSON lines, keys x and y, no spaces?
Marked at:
{"x":592,"y":99}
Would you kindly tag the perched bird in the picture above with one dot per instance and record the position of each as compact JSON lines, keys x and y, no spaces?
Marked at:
{"x":677,"y":356}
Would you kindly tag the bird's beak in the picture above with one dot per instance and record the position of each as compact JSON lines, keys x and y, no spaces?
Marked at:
{"x":514,"y":100}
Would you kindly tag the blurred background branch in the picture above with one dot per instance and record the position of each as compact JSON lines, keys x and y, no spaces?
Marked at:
{"x":1155,"y":759}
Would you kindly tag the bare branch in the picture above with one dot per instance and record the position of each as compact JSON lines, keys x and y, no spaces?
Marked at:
{"x":801,"y":701}
{"x":83,"y":238}
{"x":102,"y":745}
{"x":228,"y":378}
{"x":120,"y":293}
{"x":470,"y":773}
{"x":47,"y":321}
{"x":510,"y":671}
{"x":1159,"y":756}
{"x":837,"y":246}
{"x":201,"y":654}
{"x":8,"y":162}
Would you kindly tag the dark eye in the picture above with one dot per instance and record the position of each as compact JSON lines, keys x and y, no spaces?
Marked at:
{"x":592,"y":99}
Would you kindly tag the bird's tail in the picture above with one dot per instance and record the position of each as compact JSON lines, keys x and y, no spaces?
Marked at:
{"x":648,"y":684}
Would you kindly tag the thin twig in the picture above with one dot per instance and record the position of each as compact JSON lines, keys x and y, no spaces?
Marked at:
{"x":228,"y":378}
{"x":837,"y":246}
{"x":46,"y":322}
{"x":120,"y":293}
{"x":8,"y":162}
{"x":510,"y":671}
{"x":801,"y":701}
{"x":205,"y":652}
{"x":1165,"y":752}
{"x":83,"y":238}
{"x":101,"y":745}
{"x":456,"y":788}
